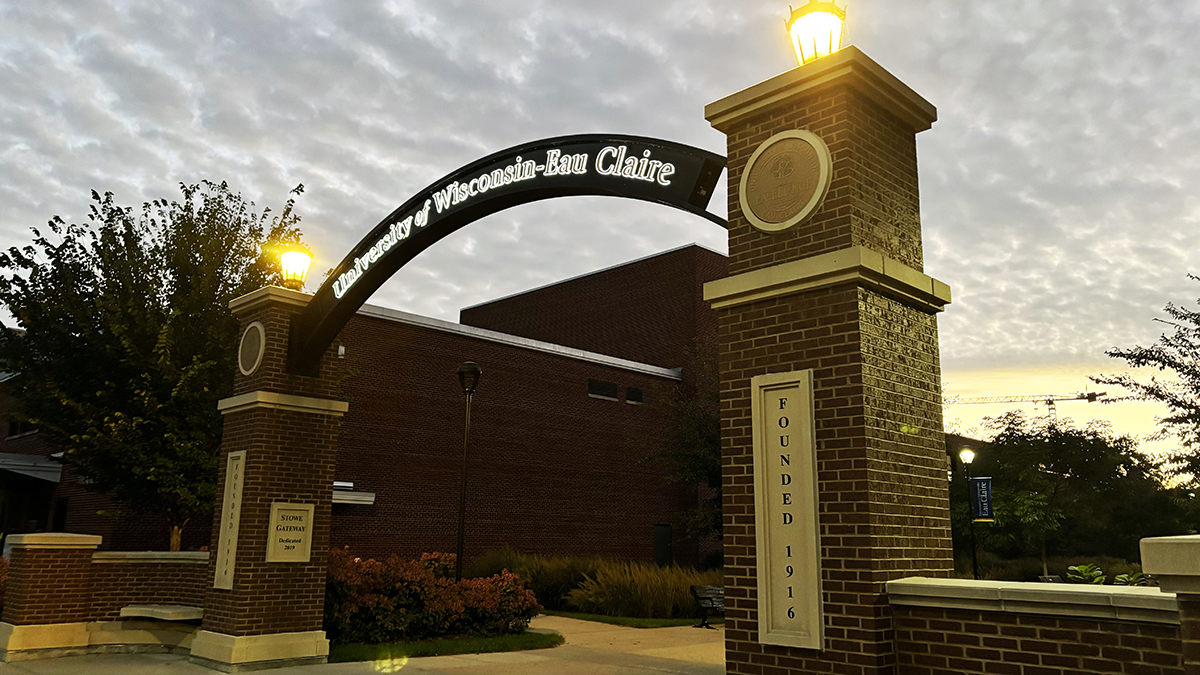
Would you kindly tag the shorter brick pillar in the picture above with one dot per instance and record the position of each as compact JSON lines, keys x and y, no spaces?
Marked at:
{"x":1176,"y":563}
{"x":270,"y":548}
{"x":48,"y":596}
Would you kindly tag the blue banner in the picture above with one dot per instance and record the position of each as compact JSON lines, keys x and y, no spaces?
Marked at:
{"x":981,"y":500}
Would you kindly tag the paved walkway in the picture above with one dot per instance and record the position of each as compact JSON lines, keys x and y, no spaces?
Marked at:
{"x":591,"y":649}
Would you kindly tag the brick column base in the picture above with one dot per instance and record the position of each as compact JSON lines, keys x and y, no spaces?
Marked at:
{"x":48,"y":598}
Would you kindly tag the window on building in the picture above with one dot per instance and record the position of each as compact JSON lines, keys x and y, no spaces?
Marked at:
{"x":633,"y":395}
{"x":662,"y":545}
{"x":604,"y":390}
{"x":19,"y":427}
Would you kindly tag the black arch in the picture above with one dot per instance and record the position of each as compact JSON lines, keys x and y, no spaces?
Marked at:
{"x":687,"y":185}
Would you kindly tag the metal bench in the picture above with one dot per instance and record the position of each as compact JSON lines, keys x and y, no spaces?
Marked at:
{"x":712,"y":600}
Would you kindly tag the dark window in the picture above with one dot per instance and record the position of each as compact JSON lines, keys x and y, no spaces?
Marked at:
{"x":60,"y":516}
{"x":604,"y":390}
{"x":633,"y":395}
{"x":18,"y":427}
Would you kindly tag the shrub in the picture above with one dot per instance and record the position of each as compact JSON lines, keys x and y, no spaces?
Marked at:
{"x":639,"y":590}
{"x":551,"y":578}
{"x":390,"y":600}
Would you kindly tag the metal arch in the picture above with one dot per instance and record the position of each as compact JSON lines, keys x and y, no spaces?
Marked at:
{"x":632,"y":167}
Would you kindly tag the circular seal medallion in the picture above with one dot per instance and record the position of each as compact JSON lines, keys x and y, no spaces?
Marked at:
{"x":785,"y":180}
{"x":251,"y":348}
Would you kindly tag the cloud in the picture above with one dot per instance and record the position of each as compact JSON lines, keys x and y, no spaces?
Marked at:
{"x":1058,"y":187}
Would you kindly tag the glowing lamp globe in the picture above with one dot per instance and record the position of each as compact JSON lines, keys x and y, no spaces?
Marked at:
{"x":295,"y":264}
{"x":816,"y":30}
{"x":966,"y":456}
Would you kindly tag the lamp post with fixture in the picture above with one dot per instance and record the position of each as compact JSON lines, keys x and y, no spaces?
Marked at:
{"x":295,"y":262}
{"x":966,"y":456}
{"x":816,"y":30}
{"x":468,"y":377}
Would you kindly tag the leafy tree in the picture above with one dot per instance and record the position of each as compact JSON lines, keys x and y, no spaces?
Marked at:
{"x":1078,"y":491}
{"x":692,"y":449}
{"x":1177,"y":354}
{"x":127,"y":343}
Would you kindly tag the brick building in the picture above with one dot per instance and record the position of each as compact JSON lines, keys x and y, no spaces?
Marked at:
{"x":558,"y":428}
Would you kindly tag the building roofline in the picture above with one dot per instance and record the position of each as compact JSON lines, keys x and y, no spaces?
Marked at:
{"x":397,"y":316}
{"x":588,"y":274}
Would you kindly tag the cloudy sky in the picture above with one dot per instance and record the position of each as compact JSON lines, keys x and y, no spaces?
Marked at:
{"x":1059,"y":185}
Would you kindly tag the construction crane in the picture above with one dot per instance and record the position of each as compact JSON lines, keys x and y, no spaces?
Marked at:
{"x":1049,"y":399}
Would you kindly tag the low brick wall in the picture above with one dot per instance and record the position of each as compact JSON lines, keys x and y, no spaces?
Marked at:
{"x":146,"y":578}
{"x":960,"y":627}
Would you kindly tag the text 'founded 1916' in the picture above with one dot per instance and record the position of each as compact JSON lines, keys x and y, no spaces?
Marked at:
{"x":231,"y":516}
{"x":785,"y":501}
{"x":289,"y":532}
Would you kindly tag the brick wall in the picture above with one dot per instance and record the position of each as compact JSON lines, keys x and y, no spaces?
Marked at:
{"x":650,"y":310}
{"x":935,"y":641}
{"x":118,"y":582}
{"x":551,"y":470}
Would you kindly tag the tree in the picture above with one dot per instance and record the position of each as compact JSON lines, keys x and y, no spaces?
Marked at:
{"x":1078,"y":491}
{"x":1179,"y":354}
{"x":691,"y":451}
{"x":127,"y":342}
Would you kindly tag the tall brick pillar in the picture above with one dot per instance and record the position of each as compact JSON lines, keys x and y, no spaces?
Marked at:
{"x":270,"y":544}
{"x":840,"y":294}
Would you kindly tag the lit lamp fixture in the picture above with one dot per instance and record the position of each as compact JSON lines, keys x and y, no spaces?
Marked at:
{"x":295,"y":262}
{"x":816,"y":30}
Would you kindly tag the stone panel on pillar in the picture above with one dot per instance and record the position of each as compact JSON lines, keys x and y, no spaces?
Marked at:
{"x":282,"y":430}
{"x":842,"y":293}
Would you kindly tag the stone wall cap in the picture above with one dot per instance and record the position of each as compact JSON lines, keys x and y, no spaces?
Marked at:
{"x":1127,"y":603}
{"x":54,"y":540}
{"x":847,"y":66}
{"x":167,"y":557}
{"x":1174,"y":556}
{"x":269,"y":295}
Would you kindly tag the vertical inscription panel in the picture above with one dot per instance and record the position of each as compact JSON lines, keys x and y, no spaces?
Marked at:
{"x":231,"y":515}
{"x":785,"y":516}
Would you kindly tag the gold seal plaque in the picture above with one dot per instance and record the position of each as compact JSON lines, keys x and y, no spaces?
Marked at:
{"x":785,"y":180}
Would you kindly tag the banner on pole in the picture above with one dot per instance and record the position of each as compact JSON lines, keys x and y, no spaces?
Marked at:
{"x":981,"y":500}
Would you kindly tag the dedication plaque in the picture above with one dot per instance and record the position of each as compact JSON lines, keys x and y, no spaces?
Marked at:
{"x":785,"y":180}
{"x":289,"y":536}
{"x":231,"y":515}
{"x":785,"y":510}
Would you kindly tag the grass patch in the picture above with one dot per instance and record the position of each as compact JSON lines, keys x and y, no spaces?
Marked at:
{"x":443,"y":647}
{"x":632,"y":621}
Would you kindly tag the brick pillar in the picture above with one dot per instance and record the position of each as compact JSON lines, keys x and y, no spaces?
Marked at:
{"x":842,"y":294}
{"x":1176,"y":563}
{"x":265,"y":600}
{"x":48,"y":595}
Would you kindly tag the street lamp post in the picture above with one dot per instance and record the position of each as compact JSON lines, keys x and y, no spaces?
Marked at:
{"x":468,"y":377}
{"x":966,"y":456}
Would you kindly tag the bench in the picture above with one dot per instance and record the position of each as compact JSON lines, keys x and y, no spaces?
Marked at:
{"x":162,"y":612}
{"x":712,"y":600}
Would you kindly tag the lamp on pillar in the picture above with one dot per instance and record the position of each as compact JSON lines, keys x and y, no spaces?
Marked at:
{"x":295,"y":261}
{"x":816,"y":30}
{"x":468,"y":377}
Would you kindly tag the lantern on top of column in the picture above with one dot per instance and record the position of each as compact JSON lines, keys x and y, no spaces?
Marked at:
{"x":816,"y":30}
{"x":295,"y":261}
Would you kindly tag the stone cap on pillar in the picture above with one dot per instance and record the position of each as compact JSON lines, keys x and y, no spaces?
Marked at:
{"x":268,"y":295}
{"x":848,"y":66}
{"x":1175,"y":561}
{"x":53,"y":540}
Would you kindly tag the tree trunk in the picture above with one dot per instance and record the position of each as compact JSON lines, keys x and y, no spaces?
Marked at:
{"x":177,"y":535}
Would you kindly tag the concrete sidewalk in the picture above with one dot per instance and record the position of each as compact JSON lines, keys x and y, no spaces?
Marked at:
{"x":591,"y":649}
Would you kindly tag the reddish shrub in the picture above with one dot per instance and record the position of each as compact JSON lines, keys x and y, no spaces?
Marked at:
{"x":394,"y":599}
